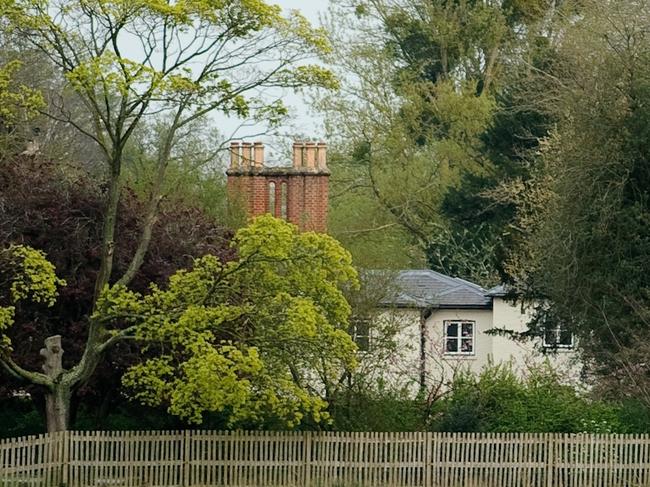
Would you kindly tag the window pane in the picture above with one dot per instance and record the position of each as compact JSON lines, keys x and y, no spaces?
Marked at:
{"x":363,"y":342}
{"x":452,"y":345}
{"x":550,"y":337}
{"x":467,"y":345}
{"x":467,"y":329}
{"x":452,"y":329}
{"x":565,"y":338}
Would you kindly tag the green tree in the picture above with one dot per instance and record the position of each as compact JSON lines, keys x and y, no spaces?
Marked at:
{"x":260,"y":336}
{"x":187,"y":59}
{"x":582,"y":219}
{"x":430,"y":86}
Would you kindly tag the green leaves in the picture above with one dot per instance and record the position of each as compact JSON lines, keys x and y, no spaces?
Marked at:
{"x":29,"y":276}
{"x":248,"y":338}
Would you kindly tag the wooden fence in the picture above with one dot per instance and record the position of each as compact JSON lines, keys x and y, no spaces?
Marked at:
{"x":237,"y":458}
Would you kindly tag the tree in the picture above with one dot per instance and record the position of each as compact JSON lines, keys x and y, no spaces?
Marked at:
{"x":254,"y":336}
{"x":186,"y":59}
{"x":58,"y":209}
{"x":432,"y":85}
{"x":582,"y":221}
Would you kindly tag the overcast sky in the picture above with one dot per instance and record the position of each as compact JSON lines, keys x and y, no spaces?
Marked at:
{"x":303,"y":121}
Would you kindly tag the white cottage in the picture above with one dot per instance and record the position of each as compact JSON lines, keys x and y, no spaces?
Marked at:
{"x":442,"y":325}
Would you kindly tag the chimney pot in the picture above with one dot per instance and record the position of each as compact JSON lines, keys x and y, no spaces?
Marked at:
{"x":310,"y":155}
{"x":234,"y":155}
{"x":298,"y":154}
{"x":258,"y":154}
{"x":322,"y":155}
{"x":247,"y":154}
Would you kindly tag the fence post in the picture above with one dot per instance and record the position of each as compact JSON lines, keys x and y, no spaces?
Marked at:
{"x":428,"y":457}
{"x":550,"y":459}
{"x":307,"y":458}
{"x":65,"y":463}
{"x":187,"y":451}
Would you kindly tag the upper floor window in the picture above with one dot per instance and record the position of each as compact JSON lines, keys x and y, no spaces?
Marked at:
{"x":558,"y":337}
{"x":459,"y":337}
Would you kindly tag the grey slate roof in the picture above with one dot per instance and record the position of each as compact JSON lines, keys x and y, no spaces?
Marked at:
{"x":429,"y":289}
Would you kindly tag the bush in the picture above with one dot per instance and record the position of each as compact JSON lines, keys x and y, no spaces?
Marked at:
{"x":497,"y":400}
{"x":381,"y":410}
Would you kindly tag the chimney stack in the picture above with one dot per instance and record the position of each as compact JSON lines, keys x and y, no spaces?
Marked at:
{"x":297,"y":193}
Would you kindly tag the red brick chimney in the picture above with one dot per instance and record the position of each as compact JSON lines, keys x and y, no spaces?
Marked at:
{"x":298,"y":193}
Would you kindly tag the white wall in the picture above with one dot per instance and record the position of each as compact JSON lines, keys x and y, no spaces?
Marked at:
{"x":440,"y":366}
{"x":528,"y":353}
{"x":401,"y":367}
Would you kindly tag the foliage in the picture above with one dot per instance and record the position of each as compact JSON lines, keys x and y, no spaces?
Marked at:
{"x":16,"y":98}
{"x":28,"y":275}
{"x":582,"y":220}
{"x":498,"y":400}
{"x":245,"y":336}
{"x":58,"y":209}
{"x":380,"y":410}
{"x":430,"y":118}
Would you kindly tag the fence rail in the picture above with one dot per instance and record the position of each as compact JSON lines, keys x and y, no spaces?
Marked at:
{"x":239,"y":458}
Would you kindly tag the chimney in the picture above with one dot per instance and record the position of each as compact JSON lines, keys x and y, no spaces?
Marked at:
{"x":321,"y":158}
{"x":310,"y":155}
{"x":235,"y":148}
{"x":247,"y":154}
{"x":297,"y":154}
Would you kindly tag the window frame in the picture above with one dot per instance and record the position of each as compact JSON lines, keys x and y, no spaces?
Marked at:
{"x":459,"y":338}
{"x":558,"y":330}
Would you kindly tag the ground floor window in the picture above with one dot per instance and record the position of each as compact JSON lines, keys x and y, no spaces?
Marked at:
{"x":360,"y":333}
{"x":459,"y":337}
{"x":558,"y":337}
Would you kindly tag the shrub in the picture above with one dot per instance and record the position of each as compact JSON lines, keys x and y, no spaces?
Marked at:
{"x":498,"y":400}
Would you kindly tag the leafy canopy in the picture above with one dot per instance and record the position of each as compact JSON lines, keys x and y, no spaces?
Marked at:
{"x":248,"y":337}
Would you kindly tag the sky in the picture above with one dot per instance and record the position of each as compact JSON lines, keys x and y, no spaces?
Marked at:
{"x":303,"y":120}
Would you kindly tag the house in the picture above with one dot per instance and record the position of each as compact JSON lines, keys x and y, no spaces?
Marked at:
{"x":440,"y":324}
{"x":445,"y":324}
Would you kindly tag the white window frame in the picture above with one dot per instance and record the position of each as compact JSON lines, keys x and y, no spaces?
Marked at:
{"x":459,"y":338}
{"x":557,"y":345}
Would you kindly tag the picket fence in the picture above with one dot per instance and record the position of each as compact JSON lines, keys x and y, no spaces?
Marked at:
{"x":239,"y":458}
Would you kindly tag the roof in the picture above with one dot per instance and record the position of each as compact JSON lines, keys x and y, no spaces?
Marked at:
{"x":497,"y":291}
{"x":425,"y":288}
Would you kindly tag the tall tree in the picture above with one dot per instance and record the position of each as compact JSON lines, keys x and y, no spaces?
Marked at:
{"x":128,"y":61}
{"x":583,"y":218}
{"x":430,"y":86}
{"x":58,"y":209}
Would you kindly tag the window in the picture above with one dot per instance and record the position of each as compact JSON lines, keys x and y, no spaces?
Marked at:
{"x":459,"y":337}
{"x":360,"y":333}
{"x":558,"y":337}
{"x":272,"y":198}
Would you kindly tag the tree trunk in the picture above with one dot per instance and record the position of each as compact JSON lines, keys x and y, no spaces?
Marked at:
{"x":57,"y":398}
{"x":57,"y":408}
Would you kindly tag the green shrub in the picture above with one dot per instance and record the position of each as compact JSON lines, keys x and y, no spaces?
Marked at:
{"x":498,"y":400}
